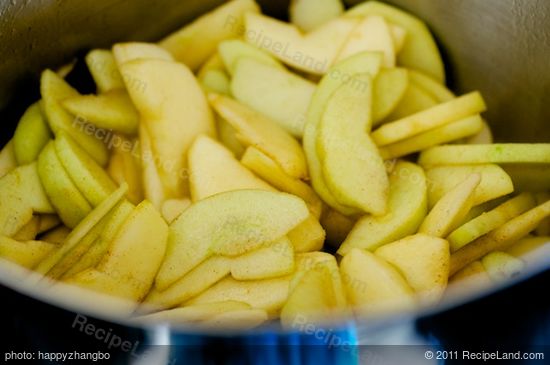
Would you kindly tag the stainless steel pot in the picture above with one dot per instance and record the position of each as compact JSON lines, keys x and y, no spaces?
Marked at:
{"x":500,"y":47}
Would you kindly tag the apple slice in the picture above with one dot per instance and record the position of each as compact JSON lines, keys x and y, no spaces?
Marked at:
{"x":93,"y":255}
{"x":389,"y":88}
{"x":424,"y":261}
{"x":172,"y":208}
{"x":439,"y":135}
{"x":153,"y":189}
{"x":215,"y":81}
{"x":230,"y":224}
{"x":532,"y":250}
{"x":311,"y":14}
{"x":196,"y":281}
{"x":499,"y":153}
{"x":434,"y":88}
{"x":197,"y":41}
{"x":54,"y":90}
{"x":448,"y":212}
{"x":125,"y":167}
{"x":7,"y":159}
{"x":172,"y":97}
{"x":57,"y":235}
{"x":31,"y":135}
{"x":104,"y":70}
{"x":501,"y":238}
{"x":29,"y":231}
{"x":233,"y":50}
{"x":374,"y":286}
{"x":308,"y":236}
{"x":21,"y":194}
{"x":213,"y":169}
{"x":486,"y":222}
{"x":502,"y":266}
{"x":337,"y":76}
{"x":27,"y":254}
{"x":453,"y":110}
{"x":420,"y":50}
{"x":193,"y":313}
{"x":268,"y":294}
{"x":267,"y":169}
{"x":280,"y":95}
{"x":273,"y":260}
{"x":313,"y":53}
{"x":495,"y":182}
{"x":371,"y":34}
{"x":472,"y":277}
{"x":310,"y":297}
{"x":244,"y":319}
{"x":111,"y":110}
{"x":83,"y":228}
{"x":133,"y":258}
{"x":407,"y":208}
{"x":352,"y":168}
{"x":264,"y":134}
{"x":414,"y":100}
{"x":131,"y":51}
{"x":484,"y":136}
{"x":68,"y":201}
{"x":228,"y":137}
{"x":90,"y":179}
{"x":48,"y":222}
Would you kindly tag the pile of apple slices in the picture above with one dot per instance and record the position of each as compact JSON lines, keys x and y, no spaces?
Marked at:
{"x":202,"y":180}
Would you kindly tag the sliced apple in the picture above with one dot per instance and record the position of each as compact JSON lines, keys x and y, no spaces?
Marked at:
{"x":215,"y":81}
{"x":267,"y":169}
{"x":313,"y":52}
{"x":420,"y":50}
{"x":21,"y":194}
{"x":214,"y":63}
{"x":501,"y":238}
{"x":54,"y":90}
{"x":352,"y":168}
{"x":7,"y":159}
{"x":125,"y":167}
{"x":434,"y":88}
{"x":407,"y":208}
{"x":264,"y":134}
{"x":104,"y":70}
{"x":532,"y":250}
{"x":153,"y":189}
{"x":27,"y":254}
{"x":93,"y":255}
{"x":338,"y":75}
{"x":213,"y":169}
{"x":441,"y":135}
{"x":243,"y":319}
{"x":414,"y":100}
{"x":110,"y":110}
{"x":449,"y":211}
{"x":311,"y":14}
{"x":499,"y":153}
{"x":172,"y":208}
{"x":282,"y":96}
{"x":424,"y":262}
{"x":502,"y":266}
{"x":93,"y":182}
{"x":47,"y":222}
{"x":29,"y":231}
{"x":197,"y":41}
{"x":56,"y":236}
{"x":268,"y":294}
{"x":233,"y":50}
{"x":374,"y":286}
{"x":371,"y":34}
{"x":472,"y":277}
{"x":308,"y":236}
{"x":453,"y":110}
{"x":273,"y":260}
{"x":172,"y":98}
{"x":493,"y":219}
{"x":389,"y":88}
{"x":133,"y":258}
{"x":193,"y":313}
{"x":494,"y":182}
{"x":230,"y":224}
{"x":131,"y":51}
{"x":485,"y":136}
{"x":83,"y":228}
{"x":31,"y":135}
{"x":196,"y":281}
{"x":228,"y":136}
